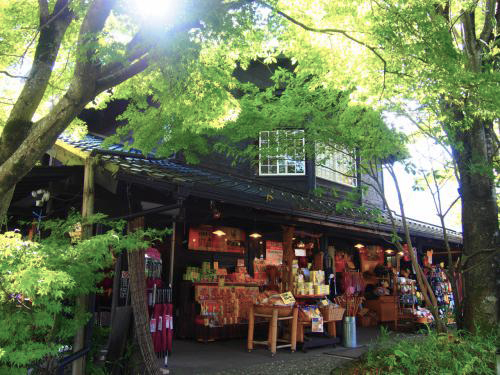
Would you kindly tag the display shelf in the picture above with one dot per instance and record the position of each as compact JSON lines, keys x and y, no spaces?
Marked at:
{"x":209,"y":283}
{"x":309,"y":340}
{"x":310,"y":296}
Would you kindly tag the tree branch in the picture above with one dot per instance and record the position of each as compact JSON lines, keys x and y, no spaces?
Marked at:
{"x":466,"y":258}
{"x":12,"y":75}
{"x":470,"y":41}
{"x":451,"y":205}
{"x":331,"y":31}
{"x":122,"y":75}
{"x":93,"y":23}
{"x":489,"y":15}
{"x":43,"y":9}
{"x":19,"y":121}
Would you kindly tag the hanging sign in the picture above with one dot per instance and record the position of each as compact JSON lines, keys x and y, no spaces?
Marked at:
{"x":203,"y":238}
{"x":274,"y":253}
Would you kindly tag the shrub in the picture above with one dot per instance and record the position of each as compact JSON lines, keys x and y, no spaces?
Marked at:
{"x":451,"y":353}
{"x":39,"y":282}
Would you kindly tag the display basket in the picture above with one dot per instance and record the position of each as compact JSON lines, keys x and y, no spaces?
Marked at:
{"x":268,"y":310}
{"x":332,"y":312}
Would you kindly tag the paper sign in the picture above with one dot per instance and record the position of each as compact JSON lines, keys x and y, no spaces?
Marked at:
{"x":287,"y":298}
{"x":317,"y":324}
{"x":241,"y":262}
{"x":300,"y":252}
{"x":221,"y":281}
{"x":324,"y":302}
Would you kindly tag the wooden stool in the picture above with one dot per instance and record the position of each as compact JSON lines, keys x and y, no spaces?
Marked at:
{"x":272,"y":337}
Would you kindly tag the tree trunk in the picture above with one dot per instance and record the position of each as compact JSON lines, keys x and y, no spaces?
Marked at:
{"x":4,"y":206}
{"x":480,"y":227}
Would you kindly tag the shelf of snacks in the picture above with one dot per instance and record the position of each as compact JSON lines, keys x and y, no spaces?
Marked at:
{"x":309,"y":284}
{"x":408,"y":300}
{"x":209,"y":273}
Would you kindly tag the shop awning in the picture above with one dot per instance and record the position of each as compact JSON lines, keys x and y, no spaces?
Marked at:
{"x":169,"y":174}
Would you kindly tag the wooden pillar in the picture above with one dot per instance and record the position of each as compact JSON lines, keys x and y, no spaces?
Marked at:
{"x":274,"y":330}
{"x":251,"y":327}
{"x":172,"y":255}
{"x":293,"y":333}
{"x":288,"y":255}
{"x":78,"y":367}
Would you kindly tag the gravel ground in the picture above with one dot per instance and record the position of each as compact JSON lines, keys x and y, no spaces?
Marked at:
{"x":315,"y":364}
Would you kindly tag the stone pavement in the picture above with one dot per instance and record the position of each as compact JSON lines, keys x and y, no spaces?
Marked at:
{"x":231,"y":357}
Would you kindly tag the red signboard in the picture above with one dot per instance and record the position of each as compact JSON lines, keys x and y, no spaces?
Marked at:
{"x":203,"y":238}
{"x":274,"y":252}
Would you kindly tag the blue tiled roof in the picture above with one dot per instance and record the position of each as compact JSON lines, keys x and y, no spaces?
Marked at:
{"x":133,"y":162}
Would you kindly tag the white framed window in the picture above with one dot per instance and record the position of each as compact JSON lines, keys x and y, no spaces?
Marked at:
{"x":337,"y":165}
{"x":282,"y":153}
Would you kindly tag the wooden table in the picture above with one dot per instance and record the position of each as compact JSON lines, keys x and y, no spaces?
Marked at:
{"x":272,"y":337}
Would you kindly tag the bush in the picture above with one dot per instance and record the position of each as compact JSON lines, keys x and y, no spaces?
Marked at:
{"x":452,"y":353}
{"x":39,"y":282}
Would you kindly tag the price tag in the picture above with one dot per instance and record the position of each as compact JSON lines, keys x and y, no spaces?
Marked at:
{"x":287,"y":298}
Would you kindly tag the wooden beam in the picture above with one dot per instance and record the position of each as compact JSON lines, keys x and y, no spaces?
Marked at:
{"x":66,"y":154}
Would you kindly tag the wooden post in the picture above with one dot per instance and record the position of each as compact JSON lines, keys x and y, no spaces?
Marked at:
{"x":251,"y":327}
{"x":288,"y":255}
{"x":172,"y":255}
{"x":293,"y":338}
{"x":78,"y":367}
{"x":274,"y":330}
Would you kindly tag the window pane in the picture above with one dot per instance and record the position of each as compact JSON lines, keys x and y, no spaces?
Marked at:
{"x":337,"y":165}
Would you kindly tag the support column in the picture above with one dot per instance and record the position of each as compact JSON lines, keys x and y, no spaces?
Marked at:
{"x":78,"y":366}
{"x":288,"y":255}
{"x":172,"y":254}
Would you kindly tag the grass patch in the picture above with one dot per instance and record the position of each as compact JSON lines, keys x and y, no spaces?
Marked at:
{"x":432,"y":353}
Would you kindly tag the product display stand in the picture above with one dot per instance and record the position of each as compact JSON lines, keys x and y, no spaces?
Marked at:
{"x":272,"y":314}
{"x":310,"y":340}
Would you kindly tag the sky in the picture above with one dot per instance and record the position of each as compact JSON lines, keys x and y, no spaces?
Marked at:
{"x":419,"y":205}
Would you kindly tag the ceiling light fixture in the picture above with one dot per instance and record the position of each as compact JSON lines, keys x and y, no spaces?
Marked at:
{"x":256,"y":235}
{"x":219,"y":233}
{"x":359,"y":246}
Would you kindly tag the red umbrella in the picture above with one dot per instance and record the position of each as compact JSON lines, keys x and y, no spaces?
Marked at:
{"x":170,"y":326}
{"x":164,"y":325}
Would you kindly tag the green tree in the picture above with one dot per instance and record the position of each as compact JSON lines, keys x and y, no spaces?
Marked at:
{"x":40,"y":280}
{"x":442,"y":56}
{"x":75,"y":52}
